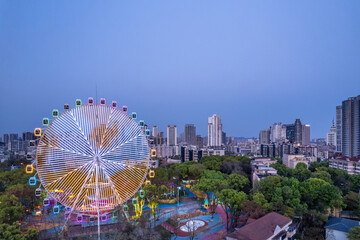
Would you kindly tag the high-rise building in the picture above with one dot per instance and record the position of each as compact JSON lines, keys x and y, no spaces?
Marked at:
{"x":14,"y":137}
{"x":264,"y":136}
{"x":223,"y":138}
{"x":155,"y":131}
{"x":290,"y":132}
{"x":27,"y":136}
{"x":350,"y":127}
{"x":171,"y":135}
{"x":6,"y":139}
{"x":305,"y":135}
{"x":199,"y":141}
{"x":277,"y":133}
{"x":298,"y":131}
{"x":190,"y":133}
{"x":214,"y":131}
{"x":331,"y":136}
{"x":338,"y":128}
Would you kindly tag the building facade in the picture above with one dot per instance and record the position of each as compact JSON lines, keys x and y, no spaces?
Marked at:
{"x":264,"y":136}
{"x":350,"y":127}
{"x":171,"y":135}
{"x":331,"y":136}
{"x":338,"y":128}
{"x":214,"y":131}
{"x":190,"y":133}
{"x":305,"y":135}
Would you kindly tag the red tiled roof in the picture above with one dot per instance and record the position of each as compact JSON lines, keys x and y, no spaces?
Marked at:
{"x":262,"y":228}
{"x":353,"y":159}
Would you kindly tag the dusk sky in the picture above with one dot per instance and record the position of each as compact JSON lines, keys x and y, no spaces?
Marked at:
{"x":176,"y":62}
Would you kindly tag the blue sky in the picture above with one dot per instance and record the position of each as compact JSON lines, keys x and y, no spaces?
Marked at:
{"x":175,"y":62}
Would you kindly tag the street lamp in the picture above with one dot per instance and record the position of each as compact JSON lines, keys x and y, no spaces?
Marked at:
{"x":178,"y":196}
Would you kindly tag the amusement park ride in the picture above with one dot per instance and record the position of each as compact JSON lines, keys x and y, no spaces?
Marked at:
{"x":89,"y":160}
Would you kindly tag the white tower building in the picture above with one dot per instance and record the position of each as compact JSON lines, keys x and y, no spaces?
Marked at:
{"x":214,"y":131}
{"x":171,"y":135}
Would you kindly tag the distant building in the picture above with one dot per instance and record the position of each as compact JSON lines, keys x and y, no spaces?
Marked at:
{"x":199,"y":141}
{"x":261,"y":169}
{"x":337,"y":228}
{"x":6,"y":139}
{"x":214,"y":131}
{"x":192,"y":153}
{"x":14,"y":137}
{"x":27,"y":136}
{"x":338,"y":128}
{"x":331,"y":136}
{"x":350,"y":127}
{"x":190,"y":133}
{"x":291,"y":160}
{"x":350,"y":165}
{"x":270,"y":226}
{"x":277,"y":133}
{"x":171,"y":135}
{"x":264,"y":136}
{"x":290,"y":132}
{"x":298,"y":131}
{"x":305,"y":135}
{"x":223,"y":137}
{"x":155,"y":131}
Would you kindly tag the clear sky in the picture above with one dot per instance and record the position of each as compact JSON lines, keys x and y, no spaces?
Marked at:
{"x":175,"y":62}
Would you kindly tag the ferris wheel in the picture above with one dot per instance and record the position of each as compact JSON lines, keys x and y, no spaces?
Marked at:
{"x":91,"y":158}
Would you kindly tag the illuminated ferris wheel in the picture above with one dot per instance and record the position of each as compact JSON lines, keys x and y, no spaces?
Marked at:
{"x":91,"y":158}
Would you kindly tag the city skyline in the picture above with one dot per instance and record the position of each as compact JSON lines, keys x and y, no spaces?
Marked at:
{"x":176,"y":63}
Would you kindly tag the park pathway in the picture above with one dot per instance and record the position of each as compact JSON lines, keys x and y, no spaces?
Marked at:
{"x":215,"y":235}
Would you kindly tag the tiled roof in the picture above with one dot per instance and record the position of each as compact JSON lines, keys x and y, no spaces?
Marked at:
{"x":341,"y":224}
{"x":353,"y":159}
{"x":262,"y":228}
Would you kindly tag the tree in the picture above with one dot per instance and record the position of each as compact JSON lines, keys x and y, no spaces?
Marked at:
{"x":11,"y":209}
{"x":282,"y":169}
{"x":330,"y":196}
{"x":352,"y":201}
{"x":211,"y":182}
{"x":231,"y":202}
{"x":252,"y":210}
{"x":260,"y":200}
{"x":12,"y":232}
{"x":161,"y":175}
{"x":236,"y":165}
{"x":267,"y":185}
{"x":301,"y":172}
{"x":211,"y":162}
{"x":354,"y":233}
{"x":237,"y":181}
{"x":179,"y":171}
{"x":322,"y":175}
{"x":196,"y":170}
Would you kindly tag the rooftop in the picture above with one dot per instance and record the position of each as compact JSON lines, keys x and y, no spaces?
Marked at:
{"x":353,"y":159}
{"x":341,"y":224}
{"x":262,"y":228}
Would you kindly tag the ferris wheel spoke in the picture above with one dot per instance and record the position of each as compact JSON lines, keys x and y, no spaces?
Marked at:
{"x":130,"y":149}
{"x":66,"y":188}
{"x":112,"y":185}
{"x":53,"y":164}
{"x":121,"y":130}
{"x":56,"y":172}
{"x":126,"y":179}
{"x":58,"y":148}
{"x":62,"y":134}
{"x":126,"y":164}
